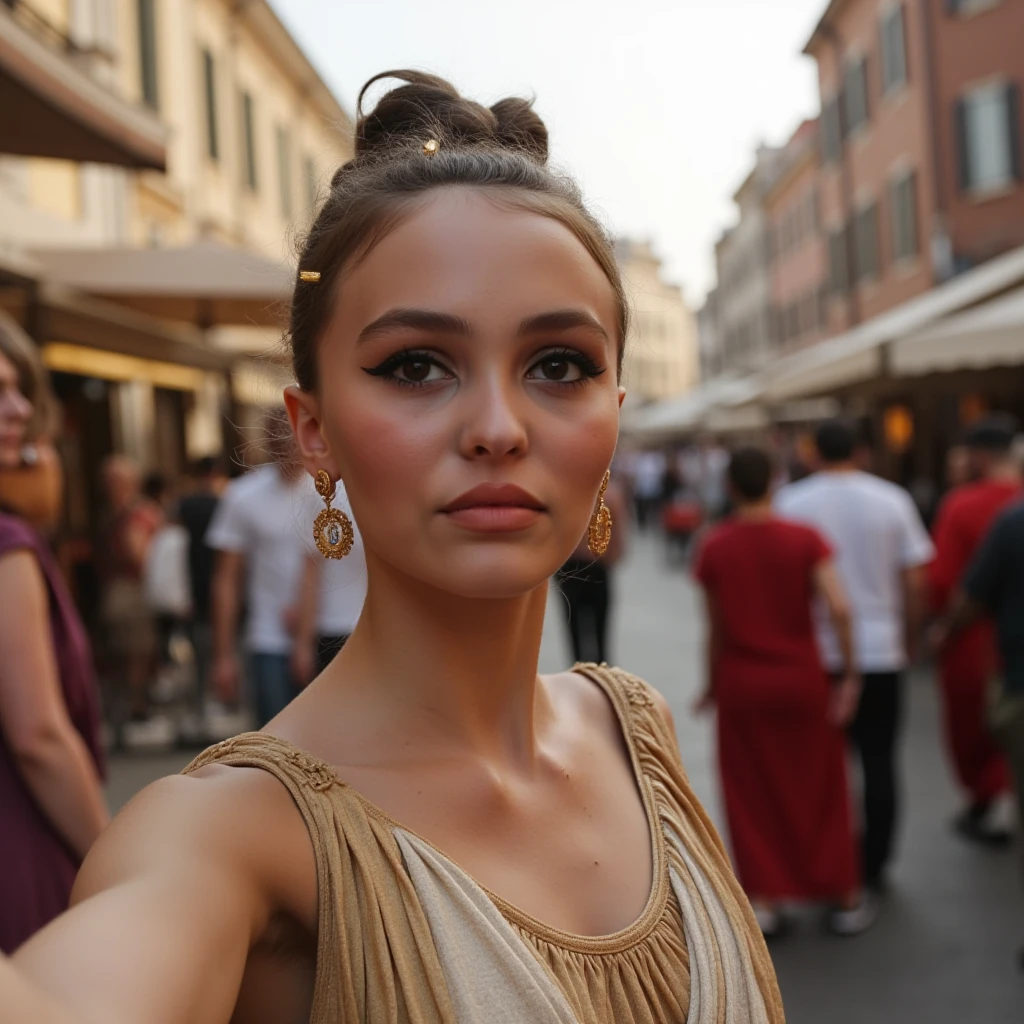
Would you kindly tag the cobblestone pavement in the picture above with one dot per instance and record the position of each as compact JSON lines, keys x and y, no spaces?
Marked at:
{"x":943,"y":947}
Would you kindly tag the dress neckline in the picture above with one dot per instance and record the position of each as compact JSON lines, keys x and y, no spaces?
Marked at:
{"x":613,"y":942}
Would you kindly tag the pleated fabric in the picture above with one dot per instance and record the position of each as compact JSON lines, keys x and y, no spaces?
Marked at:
{"x":407,"y":937}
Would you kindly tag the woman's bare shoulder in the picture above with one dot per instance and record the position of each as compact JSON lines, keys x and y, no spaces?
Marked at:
{"x":241,"y":820}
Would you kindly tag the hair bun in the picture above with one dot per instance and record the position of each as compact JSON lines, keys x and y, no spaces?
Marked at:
{"x":429,"y":107}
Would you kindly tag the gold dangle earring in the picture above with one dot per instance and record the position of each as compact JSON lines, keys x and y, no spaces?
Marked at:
{"x":332,"y":529}
{"x":599,"y":533}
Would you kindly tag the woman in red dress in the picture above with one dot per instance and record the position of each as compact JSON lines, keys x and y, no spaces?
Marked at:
{"x":780,"y":720}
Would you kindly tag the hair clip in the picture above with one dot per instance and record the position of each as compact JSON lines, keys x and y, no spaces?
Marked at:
{"x":430,"y":147}
{"x":309,"y":276}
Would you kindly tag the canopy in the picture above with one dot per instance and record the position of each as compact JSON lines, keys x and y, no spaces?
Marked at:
{"x":205,"y":284}
{"x":50,"y":107}
{"x":859,"y":354}
{"x":720,"y":405}
{"x":991,"y":334}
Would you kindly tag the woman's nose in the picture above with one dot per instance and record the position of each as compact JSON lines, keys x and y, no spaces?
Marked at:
{"x":495,"y":425}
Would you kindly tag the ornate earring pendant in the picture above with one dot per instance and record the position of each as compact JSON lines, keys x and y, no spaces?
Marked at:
{"x":599,"y":533}
{"x":332,"y":529}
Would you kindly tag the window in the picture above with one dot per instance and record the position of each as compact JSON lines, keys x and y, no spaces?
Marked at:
{"x":249,"y":141}
{"x":284,"y":170}
{"x":838,"y":262}
{"x":903,"y":211}
{"x":210,"y":89}
{"x":865,"y":237}
{"x":311,"y":183}
{"x":893,"y":49}
{"x":855,"y":95}
{"x":831,"y":131}
{"x":146,"y":11}
{"x":988,"y":137}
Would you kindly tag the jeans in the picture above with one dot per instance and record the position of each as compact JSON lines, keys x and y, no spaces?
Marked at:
{"x":326,"y":648}
{"x":873,"y":733}
{"x":271,"y":685}
{"x":1006,"y":718}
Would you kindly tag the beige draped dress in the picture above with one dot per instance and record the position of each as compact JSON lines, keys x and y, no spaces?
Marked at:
{"x":407,"y":937}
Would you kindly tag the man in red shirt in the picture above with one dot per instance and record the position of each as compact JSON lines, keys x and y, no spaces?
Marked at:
{"x":969,"y":662}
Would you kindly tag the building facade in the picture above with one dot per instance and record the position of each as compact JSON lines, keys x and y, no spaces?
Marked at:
{"x":661,"y":358}
{"x":141,"y":125}
{"x":796,"y":247}
{"x":741,"y":326}
{"x":920,"y":145}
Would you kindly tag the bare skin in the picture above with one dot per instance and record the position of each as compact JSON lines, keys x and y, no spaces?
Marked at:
{"x":198,"y":904}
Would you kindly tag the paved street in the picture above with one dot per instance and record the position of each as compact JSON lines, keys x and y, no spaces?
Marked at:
{"x":943,"y":949}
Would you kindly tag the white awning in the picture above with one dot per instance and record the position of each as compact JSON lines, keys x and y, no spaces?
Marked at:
{"x":856,"y":355}
{"x":991,"y":334}
{"x":206,"y":283}
{"x":721,"y":405}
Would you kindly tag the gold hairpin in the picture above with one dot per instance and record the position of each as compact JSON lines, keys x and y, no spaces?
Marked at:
{"x":430,"y":147}
{"x":309,"y":276}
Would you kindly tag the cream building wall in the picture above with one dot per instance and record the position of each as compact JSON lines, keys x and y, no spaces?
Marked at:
{"x":59,"y":204}
{"x":661,"y":352}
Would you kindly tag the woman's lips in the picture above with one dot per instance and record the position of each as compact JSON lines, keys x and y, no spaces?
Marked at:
{"x":495,"y":508}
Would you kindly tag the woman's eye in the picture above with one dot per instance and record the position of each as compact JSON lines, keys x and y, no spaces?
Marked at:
{"x":555,"y":369}
{"x":419,"y":371}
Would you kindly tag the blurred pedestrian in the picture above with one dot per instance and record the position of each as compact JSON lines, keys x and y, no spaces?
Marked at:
{"x":781,"y":747}
{"x":332,"y":595}
{"x":130,"y":639}
{"x":258,"y":534}
{"x":51,"y":760}
{"x":881,"y":550}
{"x":586,"y":585}
{"x":648,"y":474}
{"x":969,"y":661}
{"x":994,"y":586}
{"x":195,"y":512}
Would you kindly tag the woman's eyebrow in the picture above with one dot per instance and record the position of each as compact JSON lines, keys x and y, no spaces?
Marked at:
{"x":416,"y":319}
{"x":562,"y":320}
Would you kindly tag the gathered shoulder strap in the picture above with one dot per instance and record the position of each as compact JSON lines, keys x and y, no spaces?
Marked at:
{"x":376,"y":960}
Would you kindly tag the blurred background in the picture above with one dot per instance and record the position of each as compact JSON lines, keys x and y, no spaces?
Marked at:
{"x":819,"y":209}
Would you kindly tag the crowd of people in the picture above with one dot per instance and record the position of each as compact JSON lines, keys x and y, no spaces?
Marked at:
{"x":422,"y":827}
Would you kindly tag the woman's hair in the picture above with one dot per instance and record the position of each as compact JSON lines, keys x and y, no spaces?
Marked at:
{"x":33,"y":381}
{"x":502,"y":149}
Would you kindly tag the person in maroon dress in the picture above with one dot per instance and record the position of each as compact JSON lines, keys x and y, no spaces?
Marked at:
{"x":781,"y":745}
{"x":51,"y":800}
{"x":968,"y":663}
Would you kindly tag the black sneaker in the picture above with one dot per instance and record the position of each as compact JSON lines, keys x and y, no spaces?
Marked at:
{"x":973,"y":824}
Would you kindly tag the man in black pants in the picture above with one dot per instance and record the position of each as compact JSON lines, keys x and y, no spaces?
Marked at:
{"x":881,"y":549}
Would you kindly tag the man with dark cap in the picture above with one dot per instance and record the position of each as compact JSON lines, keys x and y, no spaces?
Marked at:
{"x":968,"y":661}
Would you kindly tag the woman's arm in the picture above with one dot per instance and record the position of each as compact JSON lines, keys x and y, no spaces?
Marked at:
{"x":712,"y":639}
{"x":830,"y":589}
{"x":47,"y":749}
{"x":167,"y":906}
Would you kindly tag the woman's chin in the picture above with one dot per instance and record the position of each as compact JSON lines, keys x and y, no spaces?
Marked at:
{"x":494,"y":574}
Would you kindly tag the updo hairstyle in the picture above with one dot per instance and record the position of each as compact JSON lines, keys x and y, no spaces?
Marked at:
{"x":503,"y":149}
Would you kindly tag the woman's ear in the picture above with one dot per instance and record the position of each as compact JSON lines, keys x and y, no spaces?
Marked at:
{"x":304,"y":415}
{"x":622,"y":396}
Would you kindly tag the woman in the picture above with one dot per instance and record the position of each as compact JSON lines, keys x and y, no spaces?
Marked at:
{"x":586,"y":585}
{"x":780,"y":738}
{"x":51,"y":801}
{"x":457,"y":329}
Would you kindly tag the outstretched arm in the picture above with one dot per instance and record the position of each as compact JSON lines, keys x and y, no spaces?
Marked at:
{"x":165,"y":909}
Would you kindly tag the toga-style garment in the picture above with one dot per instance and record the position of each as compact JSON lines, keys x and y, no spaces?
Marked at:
{"x":407,"y":937}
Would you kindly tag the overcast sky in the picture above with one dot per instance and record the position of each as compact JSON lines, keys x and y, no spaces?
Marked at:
{"x":655,"y":105}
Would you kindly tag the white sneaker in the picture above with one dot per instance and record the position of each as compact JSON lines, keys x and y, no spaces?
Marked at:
{"x":157,"y":732}
{"x":856,"y":920}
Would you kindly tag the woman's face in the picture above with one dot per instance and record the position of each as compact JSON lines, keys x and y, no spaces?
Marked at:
{"x":15,"y":415}
{"x":468,"y":396}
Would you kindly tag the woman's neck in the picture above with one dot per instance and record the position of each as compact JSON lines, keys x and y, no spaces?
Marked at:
{"x":449,"y":670}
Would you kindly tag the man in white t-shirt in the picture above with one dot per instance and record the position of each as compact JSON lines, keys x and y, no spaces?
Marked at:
{"x":258,"y":534}
{"x":881,"y":548}
{"x":333,"y":592}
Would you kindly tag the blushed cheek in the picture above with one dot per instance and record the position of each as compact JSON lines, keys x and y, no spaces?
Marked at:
{"x":385,"y":460}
